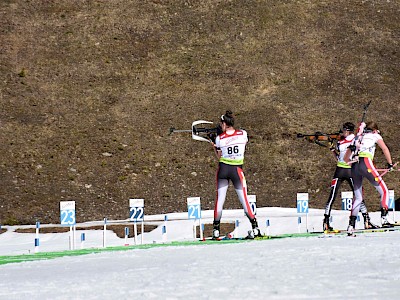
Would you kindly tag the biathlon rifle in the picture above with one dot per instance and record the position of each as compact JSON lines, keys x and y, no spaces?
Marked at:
{"x":355,"y":145}
{"x":201,"y":131}
{"x":320,"y":138}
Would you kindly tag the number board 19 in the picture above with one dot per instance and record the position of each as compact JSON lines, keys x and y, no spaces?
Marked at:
{"x":302,"y":203}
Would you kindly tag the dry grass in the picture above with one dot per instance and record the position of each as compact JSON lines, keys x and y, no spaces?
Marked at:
{"x":90,"y":89}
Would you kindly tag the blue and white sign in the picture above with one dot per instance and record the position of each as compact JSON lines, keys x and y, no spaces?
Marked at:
{"x":194,"y":209}
{"x":302,"y":203}
{"x":67,"y":213}
{"x":136,"y":210}
{"x":347,"y":200}
{"x":252,"y":202}
{"x":391,"y":203}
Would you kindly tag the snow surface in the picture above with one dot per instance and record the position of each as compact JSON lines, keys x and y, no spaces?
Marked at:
{"x":362,"y":267}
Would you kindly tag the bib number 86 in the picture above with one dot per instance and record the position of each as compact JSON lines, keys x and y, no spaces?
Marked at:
{"x":233,"y":150}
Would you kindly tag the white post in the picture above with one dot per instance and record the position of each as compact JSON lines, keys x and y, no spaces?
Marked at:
{"x":74,"y":237}
{"x":71,"y":247}
{"x":201,"y":229}
{"x":83,"y":238}
{"x":267,"y":224}
{"x":37,"y":242}
{"x":142,"y":234}
{"x":235,"y":232}
{"x":392,"y":201}
{"x":194,"y":212}
{"x":307,"y":222}
{"x":135,"y":232}
{"x":126,"y":236}
{"x":302,"y":206}
{"x":298,"y":224}
{"x":164,"y":230}
{"x":104,"y":233}
{"x":194,"y":229}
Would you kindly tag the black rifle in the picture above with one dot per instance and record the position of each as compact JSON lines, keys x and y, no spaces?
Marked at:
{"x":319,"y":137}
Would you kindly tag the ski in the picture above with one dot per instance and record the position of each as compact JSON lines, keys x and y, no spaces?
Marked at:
{"x":332,"y":231}
{"x":319,"y":234}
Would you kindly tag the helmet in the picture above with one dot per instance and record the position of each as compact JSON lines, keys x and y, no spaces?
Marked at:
{"x":348,"y":126}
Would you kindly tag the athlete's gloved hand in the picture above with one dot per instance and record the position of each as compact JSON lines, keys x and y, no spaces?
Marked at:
{"x":390,"y":167}
{"x":332,"y":146}
{"x":212,"y":136}
{"x":361,"y":127}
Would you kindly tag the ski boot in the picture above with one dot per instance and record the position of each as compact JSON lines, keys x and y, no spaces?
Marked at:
{"x":352,"y":225}
{"x":384,"y":218}
{"x":325,"y":225}
{"x":255,"y":231}
{"x":367,"y":222}
{"x":215,"y":234}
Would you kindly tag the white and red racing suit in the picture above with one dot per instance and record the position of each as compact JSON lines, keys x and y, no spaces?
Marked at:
{"x":365,"y":168}
{"x":232,"y":148}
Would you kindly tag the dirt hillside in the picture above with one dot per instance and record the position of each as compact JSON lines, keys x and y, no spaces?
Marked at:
{"x":89,"y":90}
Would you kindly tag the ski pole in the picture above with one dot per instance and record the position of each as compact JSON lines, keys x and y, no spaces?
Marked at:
{"x":360,"y":133}
{"x":387,"y":170}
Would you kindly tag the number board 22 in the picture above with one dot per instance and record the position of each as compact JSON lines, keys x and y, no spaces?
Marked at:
{"x":136,"y":210}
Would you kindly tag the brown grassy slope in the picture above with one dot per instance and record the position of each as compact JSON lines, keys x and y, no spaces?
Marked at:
{"x":90,"y":89}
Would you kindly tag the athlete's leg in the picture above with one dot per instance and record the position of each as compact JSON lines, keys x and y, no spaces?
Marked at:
{"x":335,"y":186}
{"x":222,"y":188}
{"x":239,"y":182}
{"x":363,"y":206}
{"x":357,"y":182}
{"x":376,"y":180}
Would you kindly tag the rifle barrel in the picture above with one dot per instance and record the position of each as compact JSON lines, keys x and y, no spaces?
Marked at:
{"x":172,"y":130}
{"x":317,"y":134}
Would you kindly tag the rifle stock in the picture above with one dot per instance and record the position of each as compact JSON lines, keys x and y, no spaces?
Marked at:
{"x":319,"y":137}
{"x":203,"y":133}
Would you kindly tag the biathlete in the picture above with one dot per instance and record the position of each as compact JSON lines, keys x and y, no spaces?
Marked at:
{"x":229,"y":147}
{"x":343,"y":173}
{"x":361,"y":156}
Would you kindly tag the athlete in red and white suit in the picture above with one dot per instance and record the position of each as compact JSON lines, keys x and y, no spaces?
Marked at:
{"x":230,"y":147}
{"x":364,"y":168}
{"x":343,"y":173}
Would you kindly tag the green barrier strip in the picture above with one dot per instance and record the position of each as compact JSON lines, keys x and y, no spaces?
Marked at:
{"x":51,"y":255}
{"x":7,"y":259}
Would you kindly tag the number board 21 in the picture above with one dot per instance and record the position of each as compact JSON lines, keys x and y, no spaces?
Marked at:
{"x":194,"y":209}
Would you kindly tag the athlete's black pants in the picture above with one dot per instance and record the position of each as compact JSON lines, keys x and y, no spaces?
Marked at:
{"x":341,"y":174}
